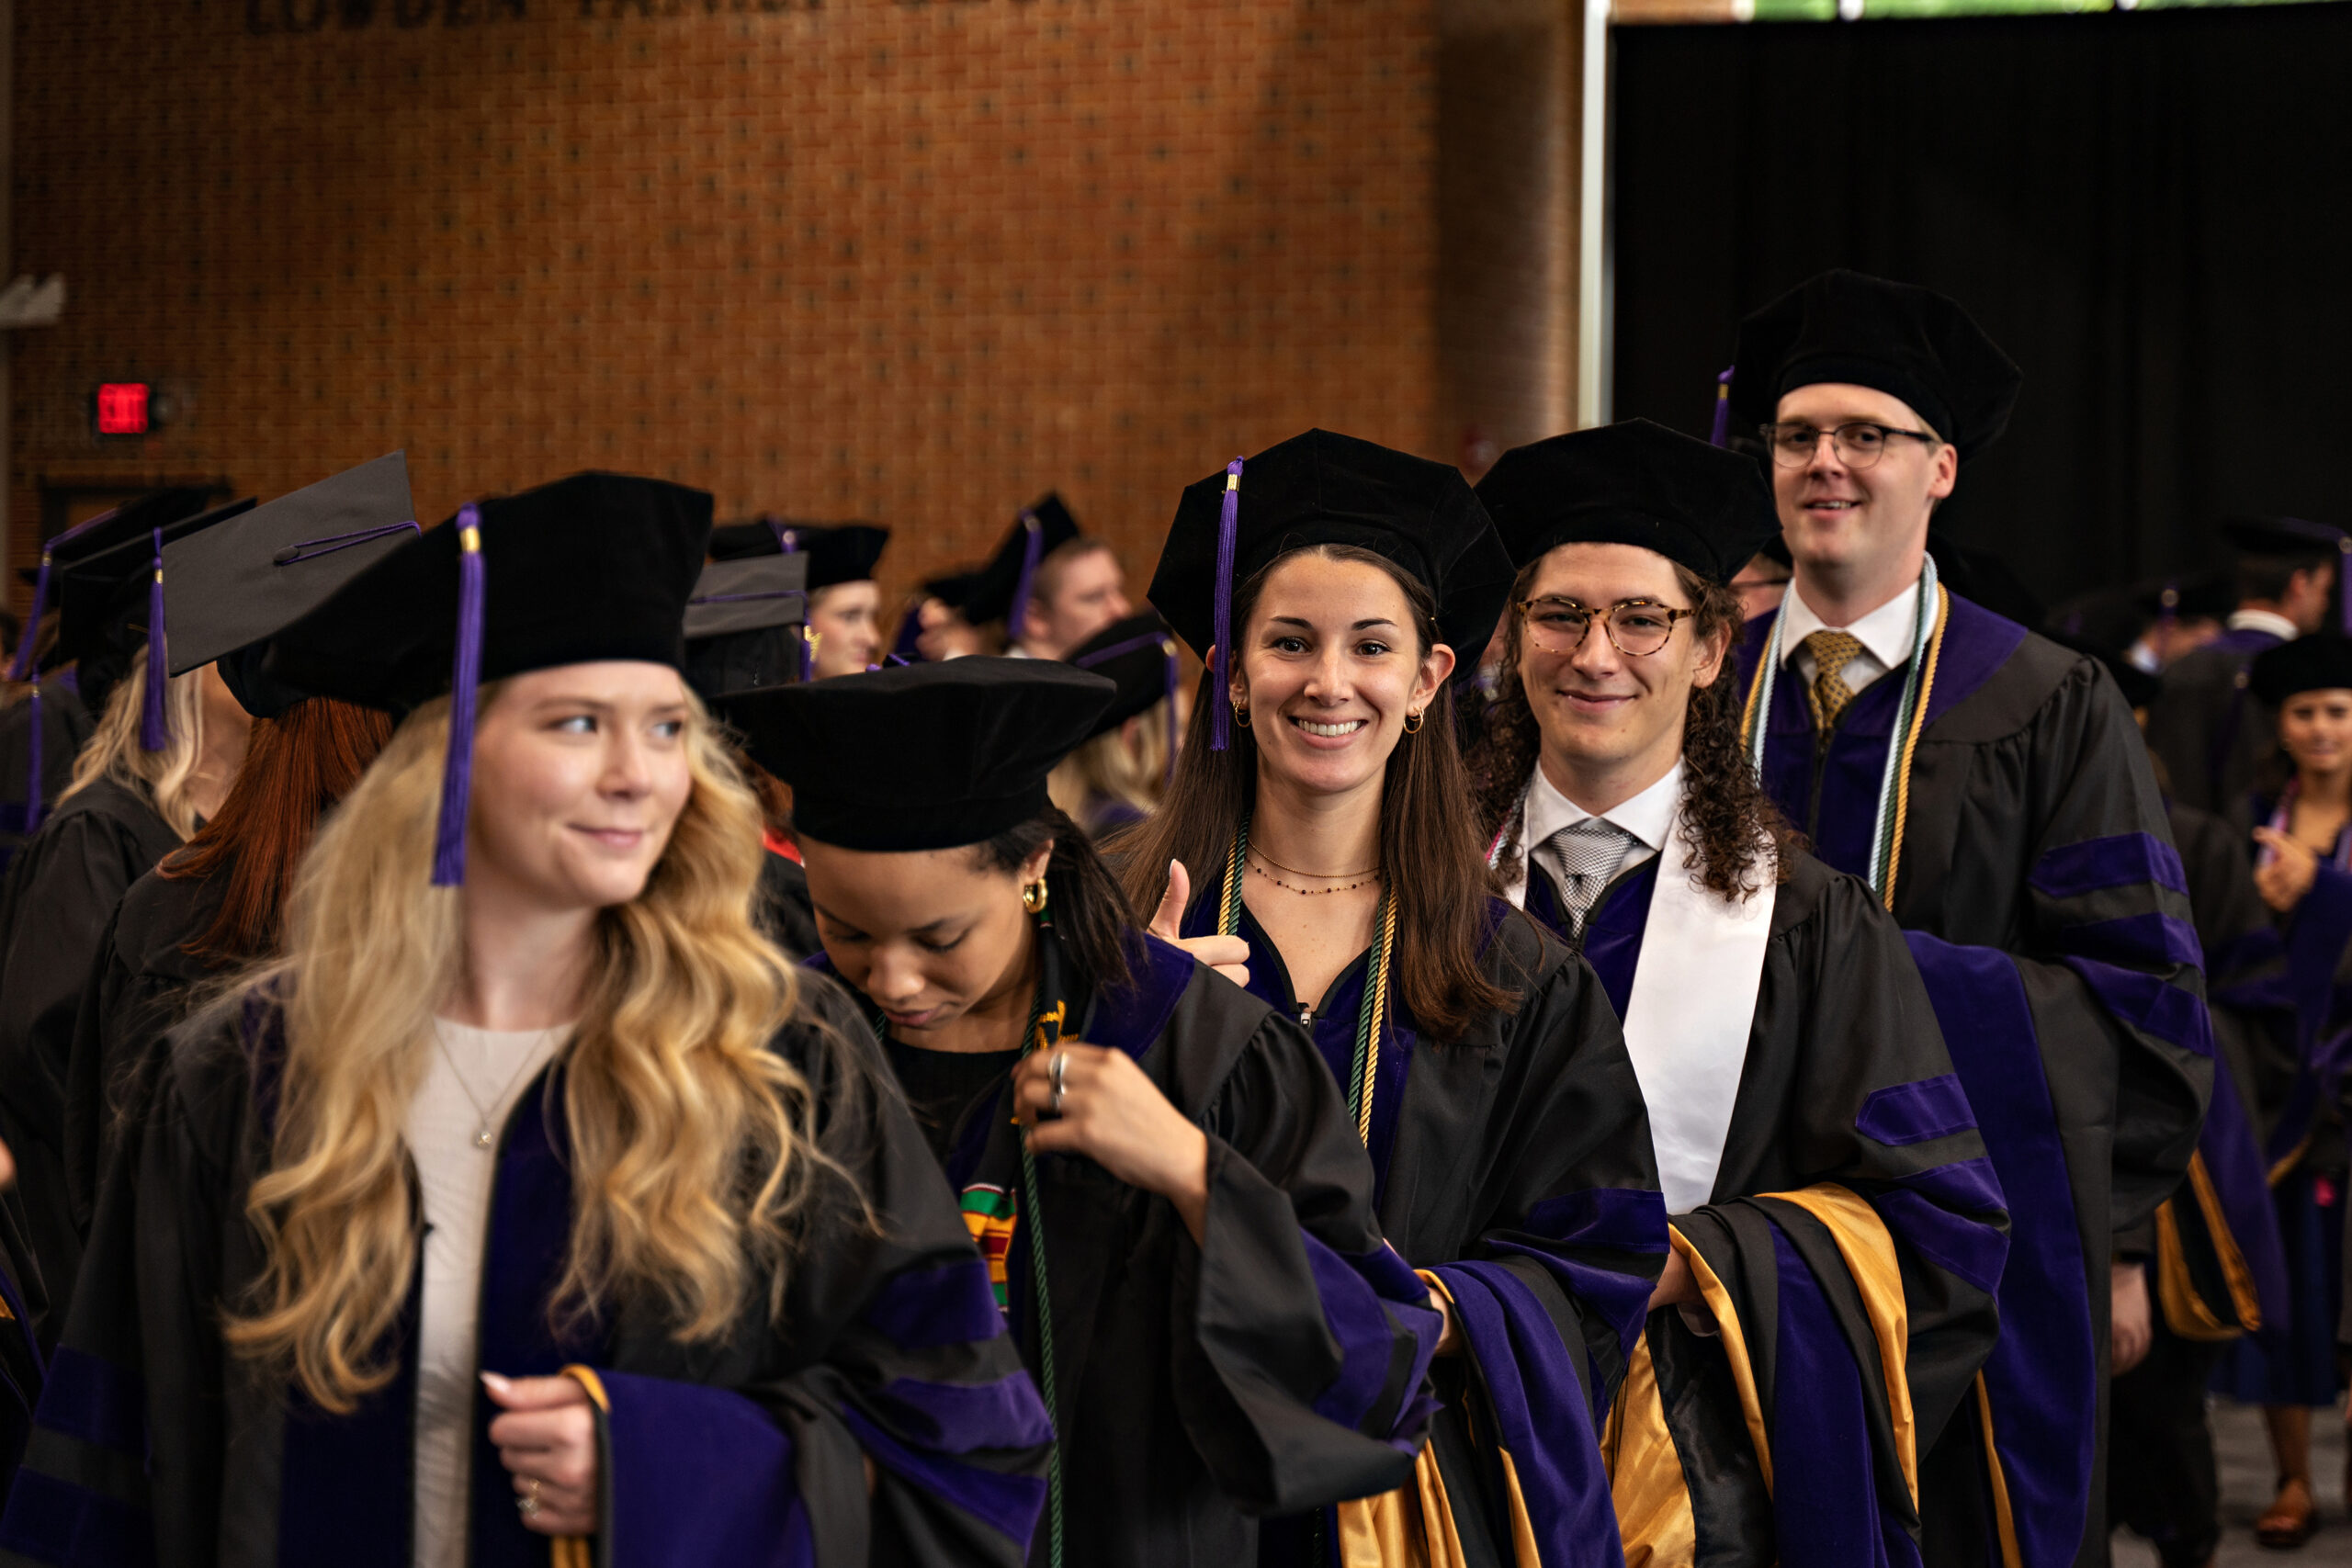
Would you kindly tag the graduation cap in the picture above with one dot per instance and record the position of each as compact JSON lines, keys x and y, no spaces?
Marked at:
{"x":95,"y":535}
{"x":1907,"y":342}
{"x":924,"y":757}
{"x":2321,"y":663}
{"x":2199,"y":596}
{"x":228,"y":586}
{"x":112,"y":603}
{"x":1632,"y":483}
{"x":594,"y":567}
{"x":1000,"y":590}
{"x":1322,"y":489}
{"x":1138,"y":654}
{"x":746,"y":624}
{"x":837,"y":552}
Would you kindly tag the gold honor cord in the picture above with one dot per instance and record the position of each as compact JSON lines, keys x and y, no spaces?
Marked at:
{"x":1911,"y":718}
{"x":1365,"y":1070}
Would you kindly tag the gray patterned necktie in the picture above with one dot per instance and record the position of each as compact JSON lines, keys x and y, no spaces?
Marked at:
{"x":1584,"y":856}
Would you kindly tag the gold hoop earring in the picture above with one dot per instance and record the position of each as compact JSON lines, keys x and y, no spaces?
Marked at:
{"x":1241,"y":714}
{"x":1413,"y":722}
{"x":1033,"y":897}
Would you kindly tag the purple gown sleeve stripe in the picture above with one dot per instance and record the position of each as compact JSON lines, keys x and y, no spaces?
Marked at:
{"x":2124,"y":860}
{"x":1131,"y":1018}
{"x":1823,"y":1464}
{"x":95,"y":1401}
{"x":1358,"y":1323}
{"x":2151,"y":940}
{"x":699,"y":1475}
{"x":2149,"y":1002}
{"x":958,"y":1418}
{"x":2043,"y":1374}
{"x":1007,"y":1503}
{"x":49,"y":1520}
{"x":1623,"y":1217}
{"x":1541,"y":1418}
{"x":1964,"y":1246}
{"x":1917,"y":1112}
{"x":923,"y":1309}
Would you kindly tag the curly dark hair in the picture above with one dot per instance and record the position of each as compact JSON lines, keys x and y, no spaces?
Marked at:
{"x":1727,"y":819}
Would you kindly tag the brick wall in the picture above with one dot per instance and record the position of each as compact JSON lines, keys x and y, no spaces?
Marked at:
{"x":911,"y":261}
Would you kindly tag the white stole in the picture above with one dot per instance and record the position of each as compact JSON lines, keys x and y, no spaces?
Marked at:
{"x":1688,"y":1017}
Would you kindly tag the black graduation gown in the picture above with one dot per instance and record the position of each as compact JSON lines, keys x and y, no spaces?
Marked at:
{"x":2212,"y":732}
{"x":1279,"y":1364}
{"x":2048,"y":913}
{"x":141,"y":985}
{"x":781,"y":907}
{"x":60,"y":894}
{"x":155,"y":1447}
{"x":1515,"y":1168}
{"x":66,"y":725}
{"x":1854,"y":1238}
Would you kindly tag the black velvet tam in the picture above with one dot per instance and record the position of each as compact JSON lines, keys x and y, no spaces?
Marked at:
{"x":1907,"y":342}
{"x":1135,"y":654}
{"x":1703,"y":507}
{"x":228,"y":586}
{"x":989,"y":598}
{"x":1322,"y":489}
{"x":594,"y":567}
{"x":2319,"y":663}
{"x":837,"y":552}
{"x":2288,"y":537}
{"x":923,"y":757}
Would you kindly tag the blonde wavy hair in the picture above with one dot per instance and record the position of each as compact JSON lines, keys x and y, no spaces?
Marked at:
{"x":1126,"y":764}
{"x":690,"y":1142}
{"x":113,"y":751}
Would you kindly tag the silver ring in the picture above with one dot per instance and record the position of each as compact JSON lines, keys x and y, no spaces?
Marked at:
{"x":528,"y":1504}
{"x":1060,"y":1067}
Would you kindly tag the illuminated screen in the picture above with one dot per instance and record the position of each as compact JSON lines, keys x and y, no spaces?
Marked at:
{"x":122,"y":408}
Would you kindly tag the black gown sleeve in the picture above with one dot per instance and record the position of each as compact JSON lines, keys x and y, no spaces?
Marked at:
{"x":1300,"y":1337}
{"x":917,"y":1374}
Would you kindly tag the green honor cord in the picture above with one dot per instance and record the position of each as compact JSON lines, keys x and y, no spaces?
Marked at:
{"x":1366,"y":1062}
{"x":1895,"y":779}
{"x":1044,"y":1321}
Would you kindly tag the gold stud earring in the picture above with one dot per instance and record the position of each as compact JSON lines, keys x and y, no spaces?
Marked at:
{"x":1033,"y":897}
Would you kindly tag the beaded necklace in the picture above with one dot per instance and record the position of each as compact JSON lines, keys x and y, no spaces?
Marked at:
{"x":1365,"y":1066}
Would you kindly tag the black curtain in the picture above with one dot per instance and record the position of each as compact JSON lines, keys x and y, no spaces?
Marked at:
{"x":2150,"y":211}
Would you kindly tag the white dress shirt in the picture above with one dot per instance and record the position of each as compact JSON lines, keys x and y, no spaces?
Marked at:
{"x":1886,"y":634}
{"x":2269,"y":621}
{"x":1647,"y":818}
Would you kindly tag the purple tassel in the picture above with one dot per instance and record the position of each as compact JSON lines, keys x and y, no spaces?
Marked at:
{"x":154,"y":725}
{"x":905,"y":649}
{"x":1228,"y":521}
{"x":32,"y":785}
{"x":457,"y":769}
{"x":1030,"y":547}
{"x":808,"y":655}
{"x":1168,"y":652}
{"x":1721,"y":436}
{"x":23,"y":663}
{"x":785,"y":542}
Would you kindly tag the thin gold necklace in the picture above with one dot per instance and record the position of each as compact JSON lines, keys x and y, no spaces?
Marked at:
{"x":1365,"y":879}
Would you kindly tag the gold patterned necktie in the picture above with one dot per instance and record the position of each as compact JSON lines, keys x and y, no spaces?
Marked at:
{"x":1832,"y":652}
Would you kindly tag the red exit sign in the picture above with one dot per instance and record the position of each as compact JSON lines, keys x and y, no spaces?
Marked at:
{"x":122,"y":408}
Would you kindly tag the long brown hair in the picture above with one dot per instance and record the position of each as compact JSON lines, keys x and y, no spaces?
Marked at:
{"x":1442,"y":921}
{"x":297,"y":765}
{"x":1728,"y":822}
